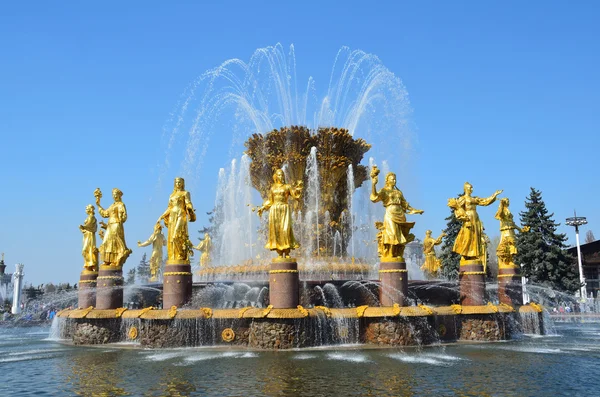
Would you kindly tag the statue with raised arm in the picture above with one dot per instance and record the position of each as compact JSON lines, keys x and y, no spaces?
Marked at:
{"x":158,"y":241}
{"x":176,"y":217}
{"x":205,"y":247}
{"x":469,"y":242}
{"x":396,"y":231}
{"x":432,"y":263}
{"x":113,"y":250}
{"x":89,"y":251}
{"x":281,"y":236}
{"x":507,"y":248}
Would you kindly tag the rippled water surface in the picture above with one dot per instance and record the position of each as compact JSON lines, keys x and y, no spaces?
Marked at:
{"x":564,"y":364}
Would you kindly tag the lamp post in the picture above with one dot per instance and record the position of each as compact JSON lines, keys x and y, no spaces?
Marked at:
{"x":579,"y":221}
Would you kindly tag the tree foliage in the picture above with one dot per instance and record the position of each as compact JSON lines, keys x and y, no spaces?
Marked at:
{"x":589,"y":237}
{"x":130,"y":277}
{"x":450,"y":261}
{"x":143,"y":270}
{"x":542,"y":251}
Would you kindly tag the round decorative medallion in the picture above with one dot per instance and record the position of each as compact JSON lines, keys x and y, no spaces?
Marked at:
{"x":133,"y":333}
{"x":228,"y":335}
{"x":442,"y":330}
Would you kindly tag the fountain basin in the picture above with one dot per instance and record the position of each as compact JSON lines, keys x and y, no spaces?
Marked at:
{"x":269,"y":328}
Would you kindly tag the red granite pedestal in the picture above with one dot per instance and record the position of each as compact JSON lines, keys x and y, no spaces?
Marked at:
{"x":177,"y":284}
{"x":284,"y":283}
{"x":109,"y":289}
{"x":86,"y":290}
{"x":394,"y":282}
{"x":510,"y":287}
{"x":472,"y":283}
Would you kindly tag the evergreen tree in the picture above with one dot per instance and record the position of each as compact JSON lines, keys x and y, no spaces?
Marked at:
{"x":450,"y":261}
{"x":589,"y":237}
{"x":542,"y":251}
{"x":143,"y":270}
{"x":130,"y":277}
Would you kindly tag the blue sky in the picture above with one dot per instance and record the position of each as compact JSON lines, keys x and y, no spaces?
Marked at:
{"x":503,"y":94}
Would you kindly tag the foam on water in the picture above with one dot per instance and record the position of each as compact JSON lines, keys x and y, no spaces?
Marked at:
{"x":36,"y":351}
{"x":525,"y":349}
{"x":204,"y":356}
{"x":441,"y":356}
{"x":304,"y":356}
{"x":28,"y":358}
{"x":164,"y":356}
{"x":418,"y":359}
{"x":351,"y":357}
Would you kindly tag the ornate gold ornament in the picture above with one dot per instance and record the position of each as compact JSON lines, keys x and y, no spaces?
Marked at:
{"x":228,"y":335}
{"x":133,"y":333}
{"x":119,"y":311}
{"x":442,"y":330}
{"x":172,"y":311}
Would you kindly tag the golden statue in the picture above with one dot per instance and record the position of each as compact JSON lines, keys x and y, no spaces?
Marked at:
{"x":179,"y":212}
{"x":395,"y":233}
{"x":432,"y":263}
{"x":380,"y":228}
{"x":507,"y":248}
{"x":281,"y":236}
{"x":469,"y":242}
{"x":485,"y":241}
{"x":205,"y":246}
{"x":113,"y":249}
{"x":157,"y":239}
{"x":89,"y":251}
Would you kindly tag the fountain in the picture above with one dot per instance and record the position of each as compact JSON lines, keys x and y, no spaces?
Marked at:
{"x":346,"y":271}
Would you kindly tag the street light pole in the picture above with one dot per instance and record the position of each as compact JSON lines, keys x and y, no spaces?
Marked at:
{"x":578,"y":221}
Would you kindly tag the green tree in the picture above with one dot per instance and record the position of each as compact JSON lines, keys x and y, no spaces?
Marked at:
{"x":542,"y":251}
{"x":143,"y":270}
{"x":450,"y":261}
{"x":130,"y":280}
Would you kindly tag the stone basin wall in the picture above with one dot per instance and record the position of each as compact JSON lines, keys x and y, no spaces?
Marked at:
{"x":96,"y":331}
{"x":487,"y":328}
{"x":400,"y":331}
{"x":285,"y":333}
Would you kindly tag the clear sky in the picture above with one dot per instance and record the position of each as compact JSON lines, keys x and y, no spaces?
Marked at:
{"x":503,"y":94}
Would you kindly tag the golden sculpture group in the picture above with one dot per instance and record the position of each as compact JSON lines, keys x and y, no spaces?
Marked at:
{"x":392,"y":237}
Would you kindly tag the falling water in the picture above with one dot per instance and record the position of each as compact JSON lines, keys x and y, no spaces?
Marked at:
{"x":239,"y":98}
{"x":312,"y":197}
{"x":233,"y":215}
{"x":337,"y":244}
{"x":351,"y":188}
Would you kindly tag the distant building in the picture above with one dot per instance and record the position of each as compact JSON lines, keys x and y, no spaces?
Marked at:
{"x":590,"y":260}
{"x":5,"y":283}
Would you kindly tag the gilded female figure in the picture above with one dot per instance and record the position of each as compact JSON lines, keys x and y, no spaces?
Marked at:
{"x":395,"y":233}
{"x":281,"y":236}
{"x":204,"y":246}
{"x":432,"y":263}
{"x":89,"y":251}
{"x":113,"y":250}
{"x":507,"y":248}
{"x":157,"y":239}
{"x":469,"y":242}
{"x":179,"y":212}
